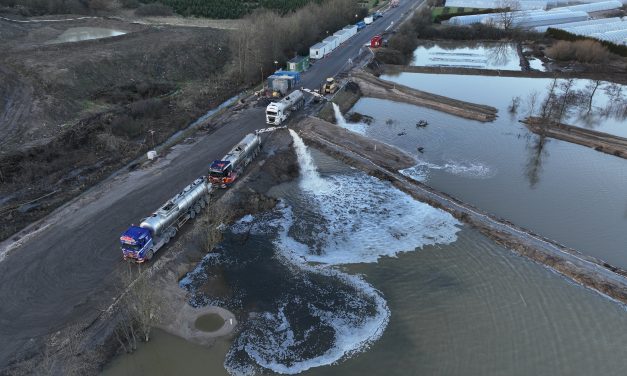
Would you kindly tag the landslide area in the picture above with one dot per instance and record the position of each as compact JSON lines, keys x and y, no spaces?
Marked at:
{"x":72,"y":113}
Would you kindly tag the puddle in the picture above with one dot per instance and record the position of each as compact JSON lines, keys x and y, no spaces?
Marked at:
{"x":77,"y":34}
{"x":209,"y":322}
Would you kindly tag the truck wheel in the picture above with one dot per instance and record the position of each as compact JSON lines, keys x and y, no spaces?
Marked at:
{"x":192,"y":213}
{"x":149,"y":255}
{"x":197,"y":208}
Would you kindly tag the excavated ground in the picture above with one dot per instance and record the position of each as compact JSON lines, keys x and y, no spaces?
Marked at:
{"x":596,"y":140}
{"x":73,"y":113}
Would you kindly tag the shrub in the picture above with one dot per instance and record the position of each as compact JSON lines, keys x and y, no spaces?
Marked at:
{"x":131,"y":4}
{"x":154,"y":9}
{"x":584,"y":51}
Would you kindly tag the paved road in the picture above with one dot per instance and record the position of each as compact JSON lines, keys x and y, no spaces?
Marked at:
{"x":66,"y":272}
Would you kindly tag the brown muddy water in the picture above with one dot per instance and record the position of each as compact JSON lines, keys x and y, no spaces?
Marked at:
{"x":209,"y":323}
{"x":569,"y":193}
{"x":351,"y":277}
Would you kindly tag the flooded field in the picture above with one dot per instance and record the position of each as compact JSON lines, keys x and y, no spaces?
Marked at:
{"x":349,"y":276}
{"x":566,"y":192}
{"x":480,"y":55}
{"x":77,"y":34}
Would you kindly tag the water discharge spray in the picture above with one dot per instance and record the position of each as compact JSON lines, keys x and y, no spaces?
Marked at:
{"x":338,"y":116}
{"x":310,"y":178}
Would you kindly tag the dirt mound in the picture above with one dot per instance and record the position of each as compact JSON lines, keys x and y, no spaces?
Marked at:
{"x":72,"y":113}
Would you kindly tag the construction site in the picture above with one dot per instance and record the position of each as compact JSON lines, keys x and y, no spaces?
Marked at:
{"x":272,"y":182}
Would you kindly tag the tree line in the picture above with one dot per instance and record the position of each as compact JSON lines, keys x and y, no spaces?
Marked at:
{"x":267,"y":36}
{"x":230,"y":8}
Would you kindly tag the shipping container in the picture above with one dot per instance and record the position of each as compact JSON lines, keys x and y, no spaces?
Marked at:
{"x":318,"y":50}
{"x":331,"y":42}
{"x":342,"y":35}
{"x":298,"y":64}
{"x":352,"y":30}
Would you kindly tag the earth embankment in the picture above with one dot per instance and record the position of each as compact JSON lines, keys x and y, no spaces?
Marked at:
{"x":605,"y":76}
{"x":599,"y":141}
{"x":374,"y":87}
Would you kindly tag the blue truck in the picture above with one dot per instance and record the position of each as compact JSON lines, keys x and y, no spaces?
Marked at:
{"x":140,"y":243}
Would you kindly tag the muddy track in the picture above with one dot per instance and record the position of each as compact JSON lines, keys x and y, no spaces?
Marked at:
{"x":599,"y":141}
{"x":585,"y":270}
{"x":16,"y":99}
{"x":618,"y":77}
{"x":372,"y":86}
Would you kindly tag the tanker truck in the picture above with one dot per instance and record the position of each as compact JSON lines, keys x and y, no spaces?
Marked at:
{"x":223,"y":172}
{"x":140,"y":243}
{"x":278,"y":112}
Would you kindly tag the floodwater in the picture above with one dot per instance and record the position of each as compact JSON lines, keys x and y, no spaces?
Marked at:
{"x":502,"y":56}
{"x":77,"y":34}
{"x":349,"y":276}
{"x":569,"y":193}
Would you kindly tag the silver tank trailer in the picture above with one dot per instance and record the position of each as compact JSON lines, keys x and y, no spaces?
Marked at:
{"x":166,"y":215}
{"x":243,"y":150}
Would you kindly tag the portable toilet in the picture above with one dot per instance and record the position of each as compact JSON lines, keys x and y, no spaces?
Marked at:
{"x":376,"y":41}
{"x":298,"y":64}
{"x":332,"y":43}
{"x":318,"y":50}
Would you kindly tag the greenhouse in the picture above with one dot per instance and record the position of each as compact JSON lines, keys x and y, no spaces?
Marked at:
{"x":616,"y":37}
{"x":596,"y":29}
{"x":491,"y":4}
{"x":592,"y":7}
{"x":542,"y":29}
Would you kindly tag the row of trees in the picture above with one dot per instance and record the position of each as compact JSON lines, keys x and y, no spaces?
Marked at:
{"x":266,"y":37}
{"x":230,"y":8}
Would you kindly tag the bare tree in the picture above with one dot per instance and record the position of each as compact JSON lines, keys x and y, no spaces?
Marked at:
{"x":589,"y":91}
{"x":549,"y":102}
{"x":532,"y":101}
{"x":535,"y":160}
{"x":506,"y":18}
{"x":567,"y":98}
{"x":139,"y":309}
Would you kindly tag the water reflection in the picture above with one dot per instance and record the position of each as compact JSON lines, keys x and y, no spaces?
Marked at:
{"x":536,"y":154}
{"x":477,"y":55}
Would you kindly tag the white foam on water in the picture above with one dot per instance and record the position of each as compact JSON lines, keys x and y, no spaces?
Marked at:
{"x":364,"y":219}
{"x":472,"y":170}
{"x":359,"y":128}
{"x":273,"y":344}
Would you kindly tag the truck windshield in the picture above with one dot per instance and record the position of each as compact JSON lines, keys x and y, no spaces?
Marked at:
{"x":273,"y":113}
{"x":217,"y":174}
{"x":128,"y":247}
